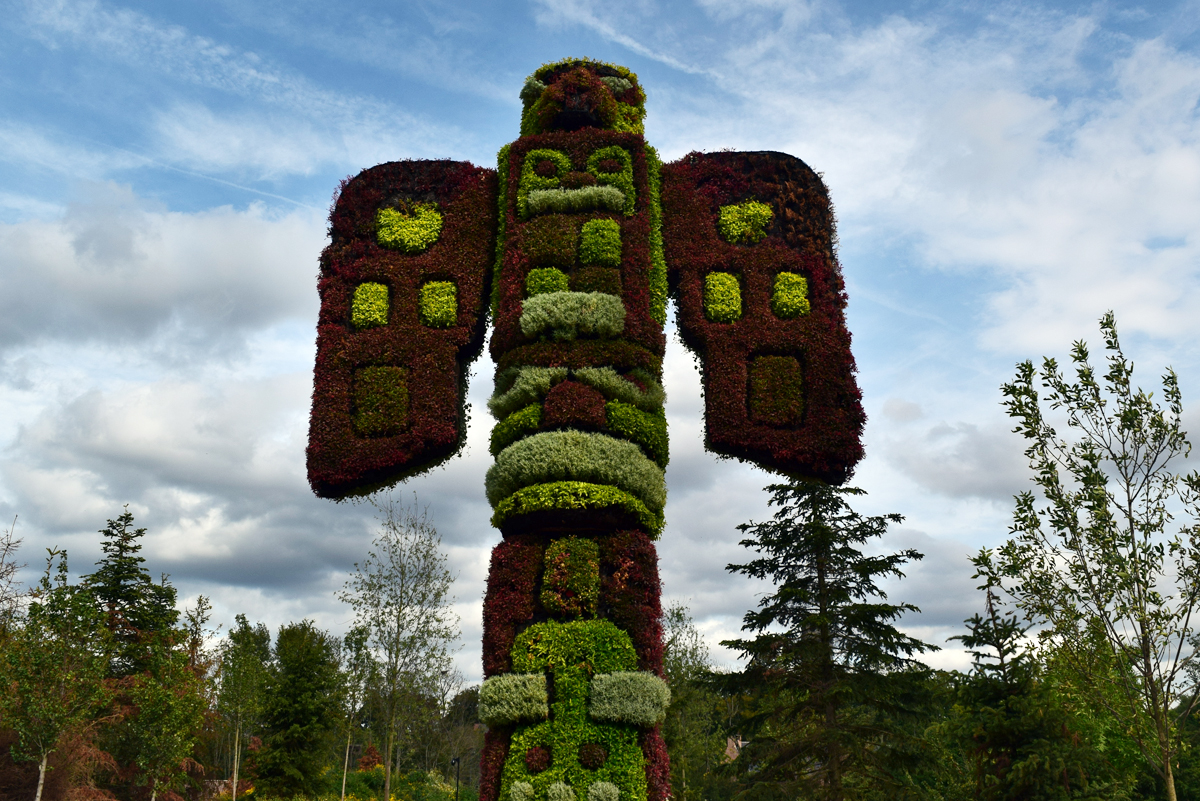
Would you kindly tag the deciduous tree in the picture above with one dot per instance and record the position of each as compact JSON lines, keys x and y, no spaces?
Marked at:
{"x":1091,"y":560}
{"x":401,"y":593}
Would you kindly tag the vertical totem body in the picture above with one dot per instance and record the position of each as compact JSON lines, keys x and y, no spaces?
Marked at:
{"x":576,"y":240}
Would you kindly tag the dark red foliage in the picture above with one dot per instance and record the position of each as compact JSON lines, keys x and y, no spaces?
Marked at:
{"x":370,"y":758}
{"x":826,"y":442}
{"x":583,"y":353}
{"x":630,"y":593}
{"x":573,"y":404}
{"x":658,"y":765}
{"x":511,"y":599}
{"x":593,"y":756}
{"x":537,"y":759}
{"x":340,"y":462}
{"x":530,"y":244}
{"x":491,"y":764}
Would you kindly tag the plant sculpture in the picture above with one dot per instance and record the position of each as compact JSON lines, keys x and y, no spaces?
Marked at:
{"x":572,"y":246}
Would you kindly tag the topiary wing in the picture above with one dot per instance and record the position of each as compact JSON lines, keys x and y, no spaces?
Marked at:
{"x":404,"y":284}
{"x":749,"y":241}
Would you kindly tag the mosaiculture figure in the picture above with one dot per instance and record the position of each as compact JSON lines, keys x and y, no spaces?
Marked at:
{"x":572,"y":247}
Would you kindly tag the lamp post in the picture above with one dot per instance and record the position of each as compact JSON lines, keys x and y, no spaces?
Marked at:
{"x":457,"y":763}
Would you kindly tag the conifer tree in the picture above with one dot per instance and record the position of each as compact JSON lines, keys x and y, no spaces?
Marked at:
{"x":830,"y":671}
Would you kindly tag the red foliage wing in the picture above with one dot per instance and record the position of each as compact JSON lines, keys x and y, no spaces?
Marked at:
{"x":388,"y":395}
{"x":779,"y":391}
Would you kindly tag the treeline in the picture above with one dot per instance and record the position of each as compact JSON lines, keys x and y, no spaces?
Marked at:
{"x":108,"y":692}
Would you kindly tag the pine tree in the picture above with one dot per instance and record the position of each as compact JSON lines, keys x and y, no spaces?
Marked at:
{"x":830,"y":673}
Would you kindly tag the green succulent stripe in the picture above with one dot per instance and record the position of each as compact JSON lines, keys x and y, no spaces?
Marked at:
{"x":577,"y":456}
{"x":411,"y":232}
{"x":369,"y":307}
{"x":647,"y":429}
{"x":519,"y":424}
{"x":513,"y":698}
{"x":546,"y":279}
{"x":517,"y":387}
{"x":573,"y":201}
{"x":613,"y":386}
{"x":502,"y":212}
{"x":563,"y":316}
{"x":658,"y":264}
{"x":633,"y":697}
{"x":520,"y":386}
{"x":560,"y":495}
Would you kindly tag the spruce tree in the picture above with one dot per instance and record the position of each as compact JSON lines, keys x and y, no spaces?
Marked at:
{"x":829,"y":674}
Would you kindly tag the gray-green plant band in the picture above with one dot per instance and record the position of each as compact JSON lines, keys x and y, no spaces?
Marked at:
{"x":577,"y":456}
{"x":561,"y":495}
{"x":566,"y":316}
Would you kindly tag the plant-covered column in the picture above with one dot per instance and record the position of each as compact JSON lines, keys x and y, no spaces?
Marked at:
{"x":572,"y":247}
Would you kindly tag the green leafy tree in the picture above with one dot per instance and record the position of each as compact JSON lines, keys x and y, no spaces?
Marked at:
{"x":299,"y":711}
{"x":1024,"y":743}
{"x":10,"y":592}
{"x":1091,"y":561}
{"x":831,"y":673}
{"x":52,"y":667}
{"x":401,"y":594}
{"x":357,"y":675}
{"x":692,"y":729}
{"x":243,"y":672}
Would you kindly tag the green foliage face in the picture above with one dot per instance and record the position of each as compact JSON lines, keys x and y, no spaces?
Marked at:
{"x":369,"y":307}
{"x":437,"y":305}
{"x":409,"y":231}
{"x":722,"y":297}
{"x":744,"y":223}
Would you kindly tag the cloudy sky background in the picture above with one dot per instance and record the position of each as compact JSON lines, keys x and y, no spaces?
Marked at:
{"x":1003,"y":174}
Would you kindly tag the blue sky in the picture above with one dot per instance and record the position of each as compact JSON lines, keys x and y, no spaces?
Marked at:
{"x":1003,"y":174}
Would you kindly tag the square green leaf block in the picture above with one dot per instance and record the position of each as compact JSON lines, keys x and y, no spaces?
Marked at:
{"x":380,"y":399}
{"x":369,"y":308}
{"x":600,"y":243}
{"x":777,"y":391}
{"x":722,"y":297}
{"x":438,"y":304}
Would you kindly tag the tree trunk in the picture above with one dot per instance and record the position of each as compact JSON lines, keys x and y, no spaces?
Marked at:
{"x":346,"y":761}
{"x":42,"y":776}
{"x":387,"y":761}
{"x":237,"y":754}
{"x":1169,"y":780}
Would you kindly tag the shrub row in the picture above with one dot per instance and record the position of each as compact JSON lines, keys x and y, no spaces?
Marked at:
{"x":572,"y":315}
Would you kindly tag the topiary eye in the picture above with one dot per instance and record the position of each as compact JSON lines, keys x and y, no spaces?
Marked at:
{"x":546,"y":169}
{"x":593,"y":756}
{"x":609,"y":165}
{"x":537,"y":759}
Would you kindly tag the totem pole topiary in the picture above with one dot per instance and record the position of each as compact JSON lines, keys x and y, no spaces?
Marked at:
{"x":574,"y":243}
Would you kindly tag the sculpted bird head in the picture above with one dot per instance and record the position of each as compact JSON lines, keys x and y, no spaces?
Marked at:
{"x":580,"y":93}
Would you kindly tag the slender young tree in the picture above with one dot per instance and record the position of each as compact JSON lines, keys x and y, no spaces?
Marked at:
{"x":401,"y":594}
{"x":1091,"y":561}
{"x":243,"y":670}
{"x":10,"y":592}
{"x":828,"y":667}
{"x":52,"y":670}
{"x":358,"y":671}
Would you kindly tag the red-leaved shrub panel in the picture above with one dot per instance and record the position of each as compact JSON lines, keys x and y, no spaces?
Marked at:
{"x":342,"y":462}
{"x":658,"y":765}
{"x":629,"y":595}
{"x":823,"y":440}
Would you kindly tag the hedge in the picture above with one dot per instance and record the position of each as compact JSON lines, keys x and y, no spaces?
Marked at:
{"x":370,"y":305}
{"x":789,"y":296}
{"x":600,"y":243}
{"x":722,"y":297}
{"x":553,"y":456}
{"x":573,"y":315}
{"x":575,"y":496}
{"x":517,"y":387}
{"x":546,"y":279}
{"x":409,"y":230}
{"x":513,"y":698}
{"x":438,"y":304}
{"x":639,"y":699}
{"x":744,"y":223}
